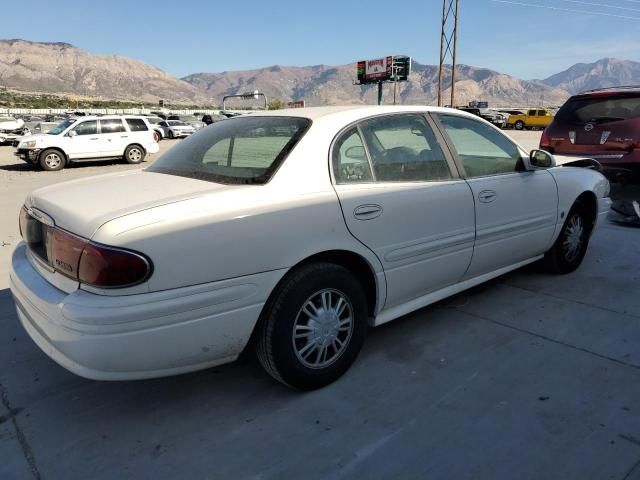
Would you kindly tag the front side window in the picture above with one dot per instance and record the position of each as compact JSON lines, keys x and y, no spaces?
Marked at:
{"x":403,"y":148}
{"x":243,"y":150}
{"x":87,"y":128}
{"x":350,"y":162}
{"x":111,"y":126}
{"x":481,"y":148}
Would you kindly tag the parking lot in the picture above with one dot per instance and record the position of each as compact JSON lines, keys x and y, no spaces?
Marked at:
{"x":528,"y":376}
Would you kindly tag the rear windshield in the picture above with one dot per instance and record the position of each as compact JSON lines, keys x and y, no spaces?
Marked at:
{"x":599,"y":109}
{"x":244,"y":150}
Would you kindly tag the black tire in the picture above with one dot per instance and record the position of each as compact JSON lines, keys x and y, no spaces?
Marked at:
{"x":52,"y":160}
{"x":134,"y":154}
{"x":289,"y":357}
{"x":564,"y":256}
{"x":519,"y":125}
{"x":171,"y":135}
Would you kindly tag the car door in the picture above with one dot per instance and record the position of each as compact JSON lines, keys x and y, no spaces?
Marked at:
{"x":401,"y":196}
{"x":84,"y":143}
{"x":113,"y":137}
{"x":516,"y":210}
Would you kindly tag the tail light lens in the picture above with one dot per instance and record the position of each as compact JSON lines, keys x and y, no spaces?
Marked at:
{"x":545,"y":141}
{"x":87,"y":262}
{"x":109,"y":267}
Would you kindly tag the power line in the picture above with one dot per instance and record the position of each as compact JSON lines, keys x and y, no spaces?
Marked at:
{"x":605,"y":5}
{"x":562,"y":9}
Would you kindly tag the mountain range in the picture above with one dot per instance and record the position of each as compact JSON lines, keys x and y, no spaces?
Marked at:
{"x":65,"y":69}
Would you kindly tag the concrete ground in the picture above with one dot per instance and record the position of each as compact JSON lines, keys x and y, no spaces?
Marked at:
{"x":529,"y":376}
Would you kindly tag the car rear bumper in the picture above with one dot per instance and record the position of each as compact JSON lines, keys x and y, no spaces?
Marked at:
{"x":138,"y":336}
{"x":152,"y":147}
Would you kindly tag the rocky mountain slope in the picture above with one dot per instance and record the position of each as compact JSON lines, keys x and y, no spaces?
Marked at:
{"x":332,"y":85}
{"x":607,"y":72}
{"x":63,"y":68}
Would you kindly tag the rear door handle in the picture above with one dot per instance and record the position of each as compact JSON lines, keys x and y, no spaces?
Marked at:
{"x":94,"y":138}
{"x":487,"y":196}
{"x":367,"y":212}
{"x":124,"y":136}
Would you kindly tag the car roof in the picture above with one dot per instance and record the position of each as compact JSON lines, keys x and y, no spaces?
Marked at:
{"x":611,"y":90}
{"x":354,"y":112}
{"x":107,"y":117}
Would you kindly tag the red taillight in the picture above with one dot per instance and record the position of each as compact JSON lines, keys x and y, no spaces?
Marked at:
{"x":108,"y":267}
{"x":65,"y":250}
{"x":545,"y":140}
{"x":156,"y":136}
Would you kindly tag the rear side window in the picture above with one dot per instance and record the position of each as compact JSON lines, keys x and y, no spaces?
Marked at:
{"x":350,"y":162}
{"x":599,"y":109}
{"x":136,"y":124}
{"x":111,"y":126}
{"x":87,"y":128}
{"x":542,"y":113}
{"x":243,"y":150}
{"x":403,"y":148}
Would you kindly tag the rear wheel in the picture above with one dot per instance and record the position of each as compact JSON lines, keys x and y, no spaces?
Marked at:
{"x":134,"y":154}
{"x":571,"y":246}
{"x":519,"y":125}
{"x":52,"y":160}
{"x":313,"y":327}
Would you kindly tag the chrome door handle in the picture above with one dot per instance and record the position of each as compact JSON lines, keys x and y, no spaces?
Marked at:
{"x":94,"y":138}
{"x":487,"y":196}
{"x":124,"y":136}
{"x":367,"y":212}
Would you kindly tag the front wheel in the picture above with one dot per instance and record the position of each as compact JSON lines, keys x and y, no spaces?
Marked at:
{"x":134,"y":154}
{"x":519,"y":125}
{"x":171,"y":135}
{"x":52,"y":160}
{"x":571,"y":246}
{"x":313,"y":327}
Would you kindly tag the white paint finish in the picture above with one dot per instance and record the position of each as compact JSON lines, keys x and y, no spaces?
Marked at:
{"x":424,"y":236}
{"x":519,"y":221}
{"x":218,"y":251}
{"x":139,"y":336}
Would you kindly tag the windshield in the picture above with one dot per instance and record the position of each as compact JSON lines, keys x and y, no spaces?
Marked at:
{"x":154,"y":120}
{"x":61,"y":127}
{"x":245,"y":150}
{"x":599,"y":109}
{"x":176,"y":123}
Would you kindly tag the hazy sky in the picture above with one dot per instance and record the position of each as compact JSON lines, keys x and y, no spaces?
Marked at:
{"x":533,"y":40}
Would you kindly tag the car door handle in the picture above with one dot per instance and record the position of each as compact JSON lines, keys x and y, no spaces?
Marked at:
{"x":367,"y":212}
{"x":124,"y":136}
{"x":487,"y":196}
{"x":94,"y":138}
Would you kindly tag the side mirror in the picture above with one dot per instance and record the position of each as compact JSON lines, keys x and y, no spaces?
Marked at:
{"x":72,"y":133}
{"x":540,"y":159}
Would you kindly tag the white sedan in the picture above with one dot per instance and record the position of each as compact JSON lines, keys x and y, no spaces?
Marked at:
{"x":176,"y":129}
{"x":291,"y":233}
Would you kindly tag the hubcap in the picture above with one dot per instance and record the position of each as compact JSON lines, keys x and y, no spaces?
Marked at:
{"x":53,"y":160}
{"x":572,"y":243}
{"x":135,"y":155}
{"x":323,"y":328}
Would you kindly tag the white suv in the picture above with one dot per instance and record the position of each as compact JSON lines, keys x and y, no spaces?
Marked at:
{"x":90,"y":138}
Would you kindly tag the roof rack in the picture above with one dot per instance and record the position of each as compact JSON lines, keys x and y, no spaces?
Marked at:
{"x":620,"y":87}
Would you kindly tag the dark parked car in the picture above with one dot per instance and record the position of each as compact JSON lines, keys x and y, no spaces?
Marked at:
{"x":601,"y":124}
{"x":212,"y":118}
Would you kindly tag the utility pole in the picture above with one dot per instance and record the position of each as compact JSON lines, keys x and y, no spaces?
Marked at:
{"x":448,"y":45}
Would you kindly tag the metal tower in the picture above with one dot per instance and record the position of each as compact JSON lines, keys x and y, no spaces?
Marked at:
{"x":448,"y":44}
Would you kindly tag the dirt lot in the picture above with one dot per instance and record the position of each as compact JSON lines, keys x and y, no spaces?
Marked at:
{"x":529,"y":376}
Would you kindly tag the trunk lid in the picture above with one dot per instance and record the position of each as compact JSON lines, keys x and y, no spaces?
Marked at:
{"x":82,"y":206}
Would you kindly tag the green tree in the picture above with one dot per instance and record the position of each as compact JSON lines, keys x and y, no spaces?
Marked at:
{"x":275,"y":104}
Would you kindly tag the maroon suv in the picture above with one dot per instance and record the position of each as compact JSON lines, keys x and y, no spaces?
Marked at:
{"x":601,"y":124}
